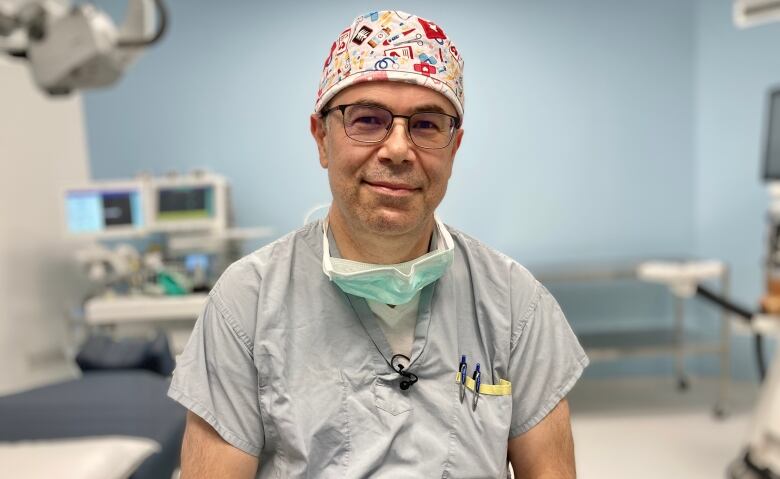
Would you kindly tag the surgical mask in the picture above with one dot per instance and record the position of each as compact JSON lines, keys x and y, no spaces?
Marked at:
{"x":389,"y":283}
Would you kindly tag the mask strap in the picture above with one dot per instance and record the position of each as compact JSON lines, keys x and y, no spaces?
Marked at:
{"x":327,"y":264}
{"x":448,"y":242}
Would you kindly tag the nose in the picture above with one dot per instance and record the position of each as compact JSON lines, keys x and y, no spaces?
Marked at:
{"x":397,"y":145}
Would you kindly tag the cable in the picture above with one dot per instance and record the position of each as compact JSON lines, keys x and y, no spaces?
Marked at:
{"x":725,"y":303}
{"x":411,"y":378}
{"x":762,"y":472}
{"x":745,"y":314}
{"x":162,"y":26}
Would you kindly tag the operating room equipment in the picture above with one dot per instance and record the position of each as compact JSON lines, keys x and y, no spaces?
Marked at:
{"x":73,"y":47}
{"x":763,"y":452}
{"x":118,"y":267}
{"x":761,"y":458}
{"x":608,"y":341}
{"x":748,"y":13}
{"x":103,"y":406}
{"x":175,"y":237}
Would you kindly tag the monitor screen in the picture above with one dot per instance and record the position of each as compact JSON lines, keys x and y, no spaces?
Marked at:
{"x":772,"y":159}
{"x":196,"y":261}
{"x":185,"y":203}
{"x":101,"y":210}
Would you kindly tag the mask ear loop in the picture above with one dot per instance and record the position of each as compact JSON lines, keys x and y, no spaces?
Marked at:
{"x":410,"y":378}
{"x":307,"y":217}
{"x":327,"y":265}
{"x":445,"y":235}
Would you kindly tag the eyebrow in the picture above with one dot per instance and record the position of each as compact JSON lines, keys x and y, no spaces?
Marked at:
{"x":427,"y":107}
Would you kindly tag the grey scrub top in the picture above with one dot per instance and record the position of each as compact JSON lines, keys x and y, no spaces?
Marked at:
{"x":287,"y":367}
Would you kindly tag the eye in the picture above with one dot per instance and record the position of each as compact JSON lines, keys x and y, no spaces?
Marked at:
{"x":425,"y":125}
{"x":368,"y":120}
{"x":430,"y":123}
{"x":367,"y":117}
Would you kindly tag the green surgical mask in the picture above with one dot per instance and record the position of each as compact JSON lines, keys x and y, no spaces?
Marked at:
{"x":389,"y":283}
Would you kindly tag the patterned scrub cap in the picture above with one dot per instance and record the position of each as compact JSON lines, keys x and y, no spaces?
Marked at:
{"x":395,"y":46}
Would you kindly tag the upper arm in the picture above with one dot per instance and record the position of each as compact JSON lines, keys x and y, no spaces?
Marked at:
{"x":205,"y":454}
{"x":216,"y":378}
{"x":547,"y":449}
{"x":545,"y":357}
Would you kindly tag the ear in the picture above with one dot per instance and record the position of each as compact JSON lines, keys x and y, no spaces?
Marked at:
{"x":456,"y":142}
{"x":319,"y":131}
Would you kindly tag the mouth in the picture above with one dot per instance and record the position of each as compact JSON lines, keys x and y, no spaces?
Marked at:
{"x":390,"y":188}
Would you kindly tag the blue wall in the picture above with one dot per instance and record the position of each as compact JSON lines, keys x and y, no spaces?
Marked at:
{"x":578,"y":117}
{"x":594,"y":130}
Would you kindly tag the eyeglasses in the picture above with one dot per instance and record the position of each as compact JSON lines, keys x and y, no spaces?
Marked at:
{"x":372,"y":124}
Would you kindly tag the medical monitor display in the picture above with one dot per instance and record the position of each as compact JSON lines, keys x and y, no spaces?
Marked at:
{"x":185,"y":203}
{"x":772,"y":159}
{"x":95,"y":211}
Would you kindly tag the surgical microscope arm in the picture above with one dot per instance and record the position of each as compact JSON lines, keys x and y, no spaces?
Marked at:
{"x":69,"y":48}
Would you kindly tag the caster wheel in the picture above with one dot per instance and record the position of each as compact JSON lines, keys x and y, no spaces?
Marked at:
{"x":682,"y":384}
{"x":719,"y":412}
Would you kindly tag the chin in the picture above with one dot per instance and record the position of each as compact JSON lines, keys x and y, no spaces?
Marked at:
{"x":393,"y":221}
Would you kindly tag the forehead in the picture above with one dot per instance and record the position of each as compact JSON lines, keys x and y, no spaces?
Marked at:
{"x":397,"y":96}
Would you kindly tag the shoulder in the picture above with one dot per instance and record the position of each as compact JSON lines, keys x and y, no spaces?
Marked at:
{"x":240,"y":287}
{"x":489,"y":259}
{"x":499,"y":273}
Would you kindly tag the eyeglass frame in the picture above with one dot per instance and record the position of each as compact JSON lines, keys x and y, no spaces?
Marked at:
{"x":342,"y":108}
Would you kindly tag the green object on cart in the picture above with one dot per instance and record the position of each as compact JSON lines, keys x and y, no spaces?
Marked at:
{"x":173,"y":284}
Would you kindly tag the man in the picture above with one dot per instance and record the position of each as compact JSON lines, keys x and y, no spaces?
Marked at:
{"x":380,"y":342}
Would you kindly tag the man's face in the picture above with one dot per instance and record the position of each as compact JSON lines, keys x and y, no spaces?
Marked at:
{"x":391,"y":187}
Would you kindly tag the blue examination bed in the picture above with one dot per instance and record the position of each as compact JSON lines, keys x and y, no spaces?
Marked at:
{"x":130,"y":402}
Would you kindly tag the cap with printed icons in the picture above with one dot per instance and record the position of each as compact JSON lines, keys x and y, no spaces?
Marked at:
{"x":393,"y":46}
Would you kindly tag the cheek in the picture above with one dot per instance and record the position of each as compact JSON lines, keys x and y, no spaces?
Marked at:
{"x":438,"y":171}
{"x":343,"y":169}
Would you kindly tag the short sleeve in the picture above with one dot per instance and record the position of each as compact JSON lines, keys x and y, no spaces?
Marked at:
{"x":216,"y":378}
{"x":545,"y":361}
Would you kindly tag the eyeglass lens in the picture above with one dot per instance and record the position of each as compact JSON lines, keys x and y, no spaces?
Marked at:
{"x":371,"y":124}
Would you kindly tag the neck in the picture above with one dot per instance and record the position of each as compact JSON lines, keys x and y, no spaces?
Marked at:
{"x":359,"y":244}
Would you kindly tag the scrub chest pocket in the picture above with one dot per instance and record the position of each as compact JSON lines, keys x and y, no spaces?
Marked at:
{"x":480,"y":430}
{"x":388,"y":397}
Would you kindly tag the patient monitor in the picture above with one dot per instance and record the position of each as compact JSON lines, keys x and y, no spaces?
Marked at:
{"x":772,"y":144}
{"x":103,"y":210}
{"x":188,"y":203}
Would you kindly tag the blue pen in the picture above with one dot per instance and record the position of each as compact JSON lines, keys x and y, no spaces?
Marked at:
{"x":462,"y":367}
{"x":477,"y":377}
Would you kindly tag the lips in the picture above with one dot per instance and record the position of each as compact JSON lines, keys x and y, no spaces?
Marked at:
{"x":391,"y":185}
{"x":391,"y":189}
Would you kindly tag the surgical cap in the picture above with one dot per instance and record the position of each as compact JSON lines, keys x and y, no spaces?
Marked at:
{"x":394,"y":46}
